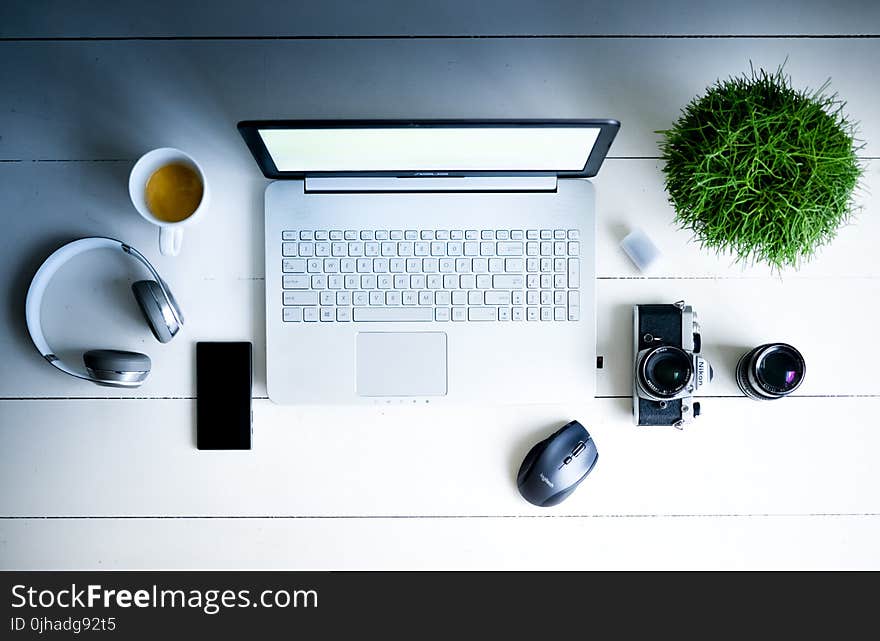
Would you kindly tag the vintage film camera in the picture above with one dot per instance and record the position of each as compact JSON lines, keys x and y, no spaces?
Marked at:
{"x":668,"y":367}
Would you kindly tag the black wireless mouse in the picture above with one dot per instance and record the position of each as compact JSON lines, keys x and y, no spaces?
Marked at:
{"x":554,"y":468}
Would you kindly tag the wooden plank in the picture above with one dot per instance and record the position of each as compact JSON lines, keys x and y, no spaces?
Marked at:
{"x":112,"y":100}
{"x":165,"y":18}
{"x":829,"y":320}
{"x":656,"y":543}
{"x":222,"y":289}
{"x":137,"y":458}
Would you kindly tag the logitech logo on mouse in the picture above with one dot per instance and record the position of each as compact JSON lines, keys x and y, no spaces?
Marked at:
{"x":546,"y":480}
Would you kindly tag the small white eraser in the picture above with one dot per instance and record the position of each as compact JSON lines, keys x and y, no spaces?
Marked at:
{"x":641,"y":251}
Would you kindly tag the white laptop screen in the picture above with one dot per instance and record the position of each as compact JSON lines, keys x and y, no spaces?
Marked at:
{"x":465,"y":149}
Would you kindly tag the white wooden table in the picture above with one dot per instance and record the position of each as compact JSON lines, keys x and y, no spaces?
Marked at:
{"x":99,"y":478}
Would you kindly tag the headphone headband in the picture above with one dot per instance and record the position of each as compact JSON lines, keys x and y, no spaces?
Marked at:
{"x":58,"y":258}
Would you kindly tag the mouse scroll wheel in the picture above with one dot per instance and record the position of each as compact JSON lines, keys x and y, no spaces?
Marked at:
{"x":580,"y":447}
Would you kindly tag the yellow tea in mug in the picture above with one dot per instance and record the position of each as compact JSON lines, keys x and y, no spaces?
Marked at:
{"x":174,"y":192}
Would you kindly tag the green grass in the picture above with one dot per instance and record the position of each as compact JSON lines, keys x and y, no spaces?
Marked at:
{"x":759,"y":170}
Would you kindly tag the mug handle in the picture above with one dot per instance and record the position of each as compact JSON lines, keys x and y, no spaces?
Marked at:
{"x":170,"y":240}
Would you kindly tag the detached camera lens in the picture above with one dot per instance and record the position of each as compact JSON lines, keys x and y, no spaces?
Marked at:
{"x":666,"y":371}
{"x":770,"y":371}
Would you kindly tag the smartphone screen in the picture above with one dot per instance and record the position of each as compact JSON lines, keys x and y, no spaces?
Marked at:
{"x":223,"y":396}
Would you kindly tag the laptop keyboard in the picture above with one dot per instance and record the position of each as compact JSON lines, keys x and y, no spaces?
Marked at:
{"x":476,"y":275}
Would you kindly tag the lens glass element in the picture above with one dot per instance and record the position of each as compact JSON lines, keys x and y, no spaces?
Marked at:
{"x":667,"y":370}
{"x":781,"y":370}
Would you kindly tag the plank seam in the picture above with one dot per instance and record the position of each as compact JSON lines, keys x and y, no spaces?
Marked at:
{"x":319,"y":517}
{"x":508,"y":36}
{"x":266,"y":398}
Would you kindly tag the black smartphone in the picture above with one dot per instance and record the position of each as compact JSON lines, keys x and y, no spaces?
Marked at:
{"x":224,"y":375}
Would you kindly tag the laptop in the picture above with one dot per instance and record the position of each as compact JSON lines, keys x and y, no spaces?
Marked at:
{"x":430,"y":261}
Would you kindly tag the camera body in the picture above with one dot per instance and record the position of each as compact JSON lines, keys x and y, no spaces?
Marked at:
{"x":668,"y":367}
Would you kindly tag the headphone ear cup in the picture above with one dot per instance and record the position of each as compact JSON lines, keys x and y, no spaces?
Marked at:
{"x":113,"y":366}
{"x":154,"y":306}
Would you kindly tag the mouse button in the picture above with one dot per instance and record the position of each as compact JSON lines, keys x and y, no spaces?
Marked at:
{"x":559,"y":497}
{"x":529,"y":462}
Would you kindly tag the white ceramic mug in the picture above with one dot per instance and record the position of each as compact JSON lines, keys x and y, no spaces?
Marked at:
{"x":170,"y":234}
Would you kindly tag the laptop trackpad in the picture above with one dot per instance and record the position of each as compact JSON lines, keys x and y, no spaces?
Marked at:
{"x":401,"y":364}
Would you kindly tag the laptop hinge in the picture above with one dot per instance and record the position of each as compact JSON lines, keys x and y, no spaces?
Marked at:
{"x":422,"y":183}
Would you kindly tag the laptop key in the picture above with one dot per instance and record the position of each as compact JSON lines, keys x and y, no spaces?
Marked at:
{"x":293,"y":266}
{"x":392,"y":314}
{"x":574,"y":273}
{"x":507,"y":281}
{"x":510,"y":248}
{"x":497,"y":298}
{"x":574,"y":306}
{"x":300,"y":298}
{"x":482,"y":314}
{"x":295,"y":282}
{"x":293,"y":314}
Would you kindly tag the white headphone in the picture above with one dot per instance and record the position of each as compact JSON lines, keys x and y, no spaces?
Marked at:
{"x":107,"y":367}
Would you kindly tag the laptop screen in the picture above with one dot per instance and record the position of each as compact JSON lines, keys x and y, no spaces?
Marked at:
{"x":514,"y":148}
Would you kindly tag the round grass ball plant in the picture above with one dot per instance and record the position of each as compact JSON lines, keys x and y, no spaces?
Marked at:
{"x":760,"y":170}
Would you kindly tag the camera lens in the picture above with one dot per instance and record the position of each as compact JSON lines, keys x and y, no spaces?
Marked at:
{"x":665,"y":371}
{"x":770,"y":371}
